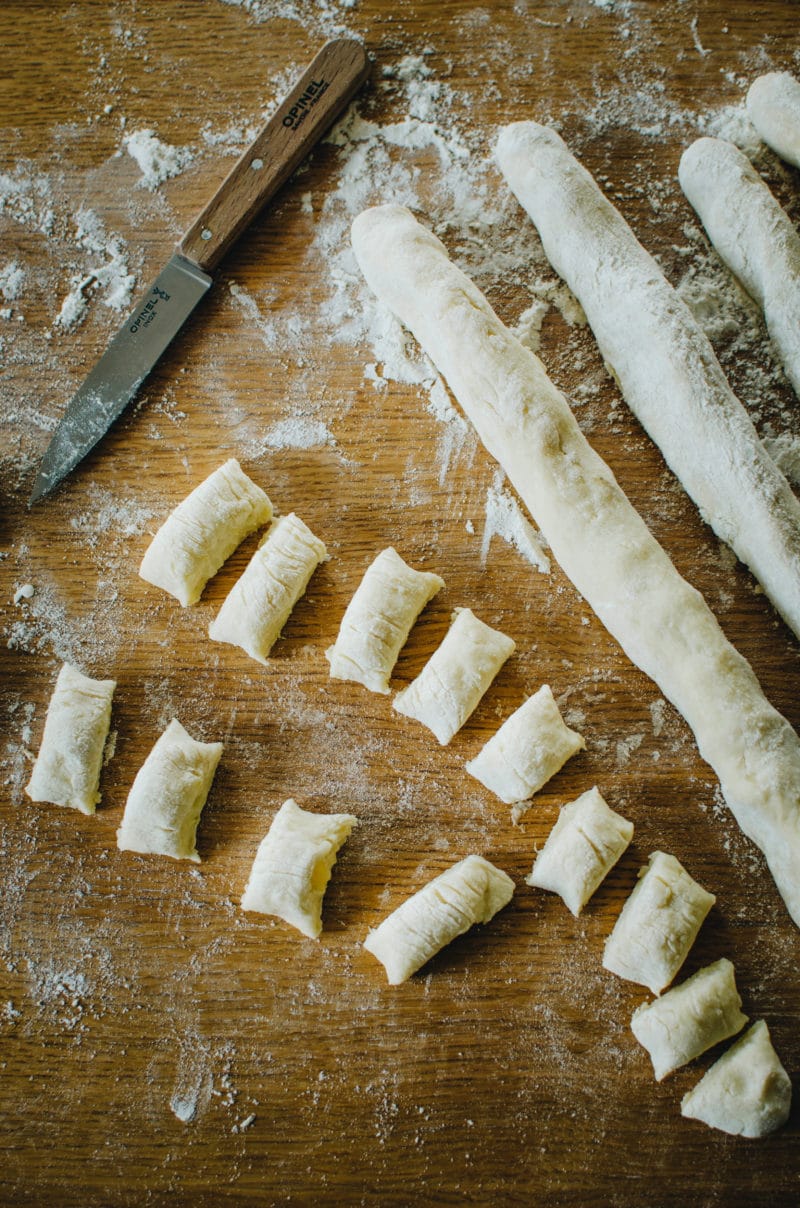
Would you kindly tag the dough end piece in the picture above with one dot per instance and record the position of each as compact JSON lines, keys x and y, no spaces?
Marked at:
{"x":747,"y":1092}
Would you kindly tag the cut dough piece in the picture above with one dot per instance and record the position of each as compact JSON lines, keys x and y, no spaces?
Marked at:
{"x":773,"y":106}
{"x":662,"y":359}
{"x":293,"y":866}
{"x":259,"y":603}
{"x":530,"y":747}
{"x":581,"y":849}
{"x":203,"y":531}
{"x":67,"y":768}
{"x":472,"y":891}
{"x":600,"y":541}
{"x":168,"y":795}
{"x":747,"y":1092}
{"x":690,"y":1019}
{"x":752,"y":234}
{"x":658,"y":925}
{"x":447,"y":690}
{"x":378,"y":620}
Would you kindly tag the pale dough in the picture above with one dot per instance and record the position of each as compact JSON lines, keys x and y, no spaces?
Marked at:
{"x":203,"y":531}
{"x":447,"y":690}
{"x":662,"y":359}
{"x":752,"y":234}
{"x":293,"y":866}
{"x":773,"y":106}
{"x":530,"y":747}
{"x":168,"y":795}
{"x":472,"y":891}
{"x":658,"y":925}
{"x":260,"y":602}
{"x":67,"y":768}
{"x":747,"y":1092}
{"x":378,"y":620}
{"x":600,"y":541}
{"x":581,"y":849}
{"x":691,"y":1018}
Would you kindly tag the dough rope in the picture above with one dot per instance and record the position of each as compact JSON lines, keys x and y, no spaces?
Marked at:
{"x":203,"y":531}
{"x":167,"y":797}
{"x":449,"y":688}
{"x":260,"y":602}
{"x":752,"y":234}
{"x":70,"y":758}
{"x":528,"y":749}
{"x":602,"y":544}
{"x":378,"y":620}
{"x":469,"y":892}
{"x":662,"y":359}
{"x":293,"y":866}
{"x":773,"y":106}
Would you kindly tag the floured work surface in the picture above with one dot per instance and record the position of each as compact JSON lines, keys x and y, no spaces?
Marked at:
{"x":155,"y":1039}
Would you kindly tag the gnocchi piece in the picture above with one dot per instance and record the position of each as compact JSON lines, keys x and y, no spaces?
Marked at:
{"x":67,"y":768}
{"x":378,"y":620}
{"x":203,"y":531}
{"x":658,"y":925}
{"x":457,"y":674}
{"x":529,"y":748}
{"x":168,"y":795}
{"x":581,"y":849}
{"x":773,"y":106}
{"x":472,"y":891}
{"x":690,"y":1019}
{"x":260,"y":602}
{"x":747,"y":1092}
{"x":293,"y":866}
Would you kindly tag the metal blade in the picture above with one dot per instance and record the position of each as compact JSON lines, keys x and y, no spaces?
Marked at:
{"x":122,"y":368}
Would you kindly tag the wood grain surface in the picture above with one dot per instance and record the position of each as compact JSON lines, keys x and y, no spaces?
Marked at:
{"x":133,"y":990}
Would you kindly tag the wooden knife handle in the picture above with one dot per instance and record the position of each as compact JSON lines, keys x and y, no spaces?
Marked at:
{"x":302,"y":117}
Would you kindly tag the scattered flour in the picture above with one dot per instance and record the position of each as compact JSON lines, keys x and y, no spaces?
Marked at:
{"x":298,"y":433}
{"x":158,"y":161}
{"x":785,"y":452}
{"x":105,"y":272}
{"x":505,"y":519}
{"x":12,"y":279}
{"x":25,"y":592}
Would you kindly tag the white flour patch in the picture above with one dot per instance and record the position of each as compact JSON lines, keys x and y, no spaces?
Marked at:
{"x":785,"y":452}
{"x":298,"y":433}
{"x":504,"y":518}
{"x":12,"y":280}
{"x":157,"y":160}
{"x":105,"y":271}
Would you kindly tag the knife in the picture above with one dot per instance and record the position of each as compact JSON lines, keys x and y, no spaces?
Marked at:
{"x":301,"y":118}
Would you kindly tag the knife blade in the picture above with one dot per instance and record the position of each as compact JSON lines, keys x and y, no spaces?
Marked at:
{"x":305,"y":113}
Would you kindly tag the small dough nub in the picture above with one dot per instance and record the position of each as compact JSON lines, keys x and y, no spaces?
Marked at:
{"x":378,"y":620}
{"x":449,"y":687}
{"x":203,"y":531}
{"x":658,"y":924}
{"x":747,"y":1092}
{"x":773,"y":106}
{"x":168,"y":795}
{"x":67,"y":768}
{"x":469,"y":892}
{"x":293,"y":866}
{"x":689,"y":1019}
{"x":530,"y":747}
{"x":260,"y":602}
{"x":581,"y":849}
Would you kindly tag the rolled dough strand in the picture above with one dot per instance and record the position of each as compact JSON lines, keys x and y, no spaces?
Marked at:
{"x":203,"y":531}
{"x":602,"y":544}
{"x":378,"y":620}
{"x":293,"y":866}
{"x":450,"y":685}
{"x":260,"y":602}
{"x":773,"y":106}
{"x":67,"y":768}
{"x":752,"y":234}
{"x":469,"y":892}
{"x":662,"y":359}
{"x":168,"y":795}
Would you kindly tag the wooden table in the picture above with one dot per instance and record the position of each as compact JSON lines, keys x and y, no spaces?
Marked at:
{"x":134,"y":990}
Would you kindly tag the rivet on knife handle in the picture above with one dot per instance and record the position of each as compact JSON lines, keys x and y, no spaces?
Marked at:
{"x":318,"y":96}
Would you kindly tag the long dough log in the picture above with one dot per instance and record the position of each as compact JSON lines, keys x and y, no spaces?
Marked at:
{"x":752,"y":234}
{"x":601,"y":542}
{"x":662,"y":359}
{"x":773,"y":105}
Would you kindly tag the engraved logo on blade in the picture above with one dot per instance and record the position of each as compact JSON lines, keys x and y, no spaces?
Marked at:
{"x":305,"y":103}
{"x":148,"y":311}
